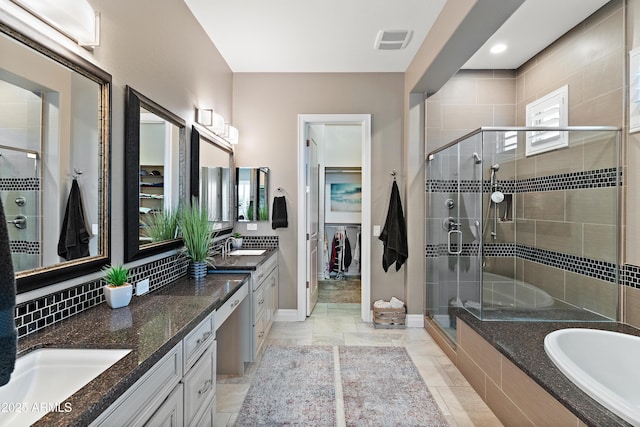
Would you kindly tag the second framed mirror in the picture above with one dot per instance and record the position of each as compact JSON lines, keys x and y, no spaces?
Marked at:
{"x":155,"y":167}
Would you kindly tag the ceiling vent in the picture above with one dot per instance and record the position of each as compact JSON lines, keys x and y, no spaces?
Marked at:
{"x":393,"y":39}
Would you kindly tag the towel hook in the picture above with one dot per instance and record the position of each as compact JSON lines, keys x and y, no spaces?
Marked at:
{"x":393,"y":174}
{"x":76,"y":173}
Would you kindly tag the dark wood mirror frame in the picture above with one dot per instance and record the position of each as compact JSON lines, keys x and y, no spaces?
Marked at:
{"x":196,"y":137}
{"x":45,"y":276}
{"x":135,"y":100}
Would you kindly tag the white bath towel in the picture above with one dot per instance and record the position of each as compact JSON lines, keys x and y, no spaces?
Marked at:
{"x":382,"y":304}
{"x":396,"y":303}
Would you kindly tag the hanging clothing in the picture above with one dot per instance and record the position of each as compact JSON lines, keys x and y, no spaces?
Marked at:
{"x":8,"y":333}
{"x":74,"y":235}
{"x":356,"y":253}
{"x":394,"y":233}
{"x":279,"y":214}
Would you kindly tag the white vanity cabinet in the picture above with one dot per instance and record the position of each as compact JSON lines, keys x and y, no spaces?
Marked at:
{"x":176,"y":391}
{"x":264,"y":296}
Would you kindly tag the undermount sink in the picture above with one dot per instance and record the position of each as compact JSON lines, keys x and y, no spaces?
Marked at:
{"x":43,"y":379}
{"x":238,"y":252}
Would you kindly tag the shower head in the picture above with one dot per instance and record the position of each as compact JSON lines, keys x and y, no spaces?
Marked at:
{"x":477,"y":158}
{"x":495,"y":167}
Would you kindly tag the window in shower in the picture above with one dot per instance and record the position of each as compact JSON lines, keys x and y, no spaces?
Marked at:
{"x":550,"y":111}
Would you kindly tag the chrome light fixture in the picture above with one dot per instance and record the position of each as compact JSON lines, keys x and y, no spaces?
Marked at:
{"x":75,"y":19}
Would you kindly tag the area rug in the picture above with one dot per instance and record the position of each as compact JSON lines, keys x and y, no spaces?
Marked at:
{"x":346,"y":385}
{"x":382,"y":387}
{"x":293,"y":385}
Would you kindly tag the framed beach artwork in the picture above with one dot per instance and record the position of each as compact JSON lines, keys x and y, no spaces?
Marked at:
{"x":343,"y":202}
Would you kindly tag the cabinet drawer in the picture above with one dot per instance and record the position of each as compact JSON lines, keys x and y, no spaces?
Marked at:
{"x":170,"y":414}
{"x":258,"y":335}
{"x":200,"y":386}
{"x":208,"y":418}
{"x":269,"y":265}
{"x":258,"y":303}
{"x":197,"y":341}
{"x":139,"y":402}
{"x":232,"y":303}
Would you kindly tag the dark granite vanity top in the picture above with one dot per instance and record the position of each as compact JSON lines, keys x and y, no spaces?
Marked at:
{"x":150,"y":326}
{"x":241,"y":262}
{"x":523,"y":344}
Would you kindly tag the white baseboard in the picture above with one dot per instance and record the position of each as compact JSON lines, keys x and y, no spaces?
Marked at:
{"x":286,"y":315}
{"x":415,"y":321}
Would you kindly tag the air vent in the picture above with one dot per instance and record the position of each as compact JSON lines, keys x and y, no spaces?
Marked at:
{"x":393,"y":39}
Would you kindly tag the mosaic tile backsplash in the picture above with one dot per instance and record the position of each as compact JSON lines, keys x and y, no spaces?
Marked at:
{"x":41,"y":312}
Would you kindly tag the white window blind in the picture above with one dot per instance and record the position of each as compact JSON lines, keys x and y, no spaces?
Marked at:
{"x":552,"y":110}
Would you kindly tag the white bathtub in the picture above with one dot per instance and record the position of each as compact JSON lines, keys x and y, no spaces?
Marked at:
{"x":603,"y":364}
{"x":500,"y":291}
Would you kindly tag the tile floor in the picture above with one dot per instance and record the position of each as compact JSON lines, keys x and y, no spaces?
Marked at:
{"x":340,"y":324}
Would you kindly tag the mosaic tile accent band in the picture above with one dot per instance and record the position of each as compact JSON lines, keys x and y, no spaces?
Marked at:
{"x":15,"y":184}
{"x":608,"y":177}
{"x":36,"y":314}
{"x":630,"y":275}
{"x":24,"y":247}
{"x":589,"y":267}
{"x":41,"y":312}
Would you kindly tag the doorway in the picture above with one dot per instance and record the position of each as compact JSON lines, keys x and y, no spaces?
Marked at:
{"x":311,"y":190}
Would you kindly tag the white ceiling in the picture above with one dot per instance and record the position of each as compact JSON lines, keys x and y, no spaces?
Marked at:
{"x":338,"y":35}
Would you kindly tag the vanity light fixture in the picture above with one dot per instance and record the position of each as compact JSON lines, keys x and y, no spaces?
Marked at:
{"x":75,"y":19}
{"x":204,"y":116}
{"x":215,"y":122}
{"x":232,"y":135}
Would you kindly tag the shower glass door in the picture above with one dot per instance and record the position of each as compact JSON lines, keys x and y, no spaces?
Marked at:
{"x":454,"y":195}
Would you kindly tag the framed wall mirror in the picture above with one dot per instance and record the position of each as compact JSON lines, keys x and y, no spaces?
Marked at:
{"x":212,"y":179}
{"x":155,"y":167}
{"x":252,"y":194}
{"x":54,"y":158}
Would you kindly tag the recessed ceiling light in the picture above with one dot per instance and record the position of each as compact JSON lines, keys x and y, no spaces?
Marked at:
{"x":498,"y":48}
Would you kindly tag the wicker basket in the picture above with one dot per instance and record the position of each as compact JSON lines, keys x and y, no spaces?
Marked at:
{"x":389,"y":318}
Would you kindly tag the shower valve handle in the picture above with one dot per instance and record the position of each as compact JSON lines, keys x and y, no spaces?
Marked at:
{"x":20,"y":221}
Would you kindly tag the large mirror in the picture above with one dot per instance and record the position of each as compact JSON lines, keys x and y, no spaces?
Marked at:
{"x":212,"y":177}
{"x":54,"y":159}
{"x":154,"y":176}
{"x":252,"y":195}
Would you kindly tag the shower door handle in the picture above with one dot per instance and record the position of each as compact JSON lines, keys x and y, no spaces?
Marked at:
{"x":459,"y":234}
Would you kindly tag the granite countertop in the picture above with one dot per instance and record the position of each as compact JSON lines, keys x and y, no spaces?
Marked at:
{"x":241,"y":262}
{"x":523,"y":344}
{"x":150,"y":326}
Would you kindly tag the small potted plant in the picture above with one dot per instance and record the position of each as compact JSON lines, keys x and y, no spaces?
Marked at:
{"x":118,"y":290}
{"x":236,"y":240}
{"x":196,"y":233}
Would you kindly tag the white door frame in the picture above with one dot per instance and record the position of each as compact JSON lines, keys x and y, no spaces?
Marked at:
{"x":365,"y":121}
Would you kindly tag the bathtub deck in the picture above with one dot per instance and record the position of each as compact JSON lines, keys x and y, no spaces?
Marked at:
{"x":523,"y":344}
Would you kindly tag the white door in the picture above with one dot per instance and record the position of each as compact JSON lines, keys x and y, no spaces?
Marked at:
{"x":312,"y":191}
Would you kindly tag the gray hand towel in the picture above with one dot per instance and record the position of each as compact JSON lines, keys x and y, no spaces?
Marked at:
{"x":279,"y":213}
{"x":8,"y":334}
{"x":394,"y":233}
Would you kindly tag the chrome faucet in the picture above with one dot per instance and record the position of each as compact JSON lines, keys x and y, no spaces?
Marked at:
{"x":226,"y":247}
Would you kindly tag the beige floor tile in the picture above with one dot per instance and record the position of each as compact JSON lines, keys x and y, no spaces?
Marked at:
{"x":340,"y":324}
{"x":229,"y":397}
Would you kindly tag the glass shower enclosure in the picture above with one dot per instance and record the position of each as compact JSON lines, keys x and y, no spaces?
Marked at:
{"x":522,"y":224}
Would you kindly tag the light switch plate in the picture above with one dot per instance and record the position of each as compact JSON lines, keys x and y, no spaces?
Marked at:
{"x":252,"y":226}
{"x":376,"y":230}
{"x":142,"y":287}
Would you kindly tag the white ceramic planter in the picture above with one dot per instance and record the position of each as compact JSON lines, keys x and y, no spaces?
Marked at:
{"x":236,"y":242}
{"x":119,"y":296}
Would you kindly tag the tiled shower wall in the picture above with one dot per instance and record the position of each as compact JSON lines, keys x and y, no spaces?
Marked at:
{"x":38,"y":313}
{"x":550,"y":211}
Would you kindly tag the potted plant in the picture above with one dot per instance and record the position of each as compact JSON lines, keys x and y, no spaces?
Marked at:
{"x":161,"y":226}
{"x":118,"y":290}
{"x":236,"y":240}
{"x":196,"y":233}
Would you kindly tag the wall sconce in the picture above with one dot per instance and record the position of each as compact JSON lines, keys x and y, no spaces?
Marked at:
{"x":204,"y":117}
{"x":75,"y":19}
{"x":232,"y":135}
{"x":215,"y":122}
